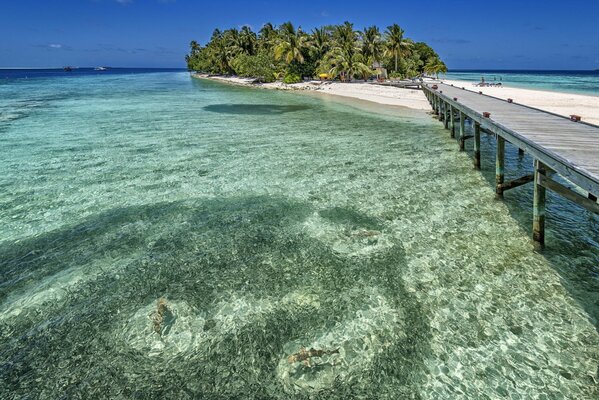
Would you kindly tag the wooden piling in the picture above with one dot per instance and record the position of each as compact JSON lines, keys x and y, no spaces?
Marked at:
{"x":446,"y":116}
{"x":499,"y":165}
{"x":462,"y":130}
{"x":476,"y":145}
{"x":452,"y":117}
{"x":538,"y":211}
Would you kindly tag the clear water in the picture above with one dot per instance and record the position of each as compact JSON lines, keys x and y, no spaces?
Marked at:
{"x":581,"y":82}
{"x":272,"y":222}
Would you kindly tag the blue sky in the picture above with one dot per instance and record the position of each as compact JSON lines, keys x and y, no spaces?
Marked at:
{"x":467,"y":34}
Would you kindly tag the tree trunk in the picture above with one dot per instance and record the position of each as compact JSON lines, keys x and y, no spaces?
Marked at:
{"x":395,"y":62}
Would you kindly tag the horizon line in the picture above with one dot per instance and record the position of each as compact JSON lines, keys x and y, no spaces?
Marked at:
{"x":184,"y":68}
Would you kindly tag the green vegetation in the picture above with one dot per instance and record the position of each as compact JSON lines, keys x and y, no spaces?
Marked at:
{"x":335,"y":51}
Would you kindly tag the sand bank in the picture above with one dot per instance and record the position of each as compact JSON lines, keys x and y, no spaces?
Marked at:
{"x":557,"y":102}
{"x":409,"y":98}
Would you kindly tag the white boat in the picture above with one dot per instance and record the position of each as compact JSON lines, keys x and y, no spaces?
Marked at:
{"x":101,"y":69}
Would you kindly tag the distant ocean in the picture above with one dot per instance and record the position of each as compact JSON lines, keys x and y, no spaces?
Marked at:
{"x":26,"y":73}
{"x":583,"y":82}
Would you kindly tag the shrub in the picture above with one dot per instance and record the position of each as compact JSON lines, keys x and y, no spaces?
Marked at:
{"x":292,"y":78}
{"x":258,"y":66}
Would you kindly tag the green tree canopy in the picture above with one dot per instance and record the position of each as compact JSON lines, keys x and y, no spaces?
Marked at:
{"x":341,"y":51}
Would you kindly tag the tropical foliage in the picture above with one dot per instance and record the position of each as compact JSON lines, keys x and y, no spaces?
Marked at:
{"x":335,"y":51}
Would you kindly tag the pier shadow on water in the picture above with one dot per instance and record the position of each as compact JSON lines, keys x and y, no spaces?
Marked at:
{"x":250,"y":287}
{"x":255,"y":109}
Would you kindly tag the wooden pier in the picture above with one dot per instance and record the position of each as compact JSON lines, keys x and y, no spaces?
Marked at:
{"x":406,"y":84}
{"x":565,"y":150}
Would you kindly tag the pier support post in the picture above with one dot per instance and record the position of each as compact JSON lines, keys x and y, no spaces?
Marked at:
{"x":441,"y":110}
{"x":446,"y":116}
{"x":452,"y":117}
{"x":538,"y":210}
{"x":499,"y":165}
{"x":462,"y":130}
{"x":476,"y":145}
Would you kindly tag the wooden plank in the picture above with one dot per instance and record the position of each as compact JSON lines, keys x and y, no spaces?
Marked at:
{"x":517,"y":182}
{"x":585,"y":202}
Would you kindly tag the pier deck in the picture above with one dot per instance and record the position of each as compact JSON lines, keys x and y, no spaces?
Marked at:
{"x":558,"y":144}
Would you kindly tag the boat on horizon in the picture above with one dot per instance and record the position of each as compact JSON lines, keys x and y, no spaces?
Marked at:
{"x":67,"y":68}
{"x":101,"y":69}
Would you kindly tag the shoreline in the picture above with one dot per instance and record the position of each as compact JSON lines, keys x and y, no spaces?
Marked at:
{"x":562,"y":103}
{"x":386,"y":95}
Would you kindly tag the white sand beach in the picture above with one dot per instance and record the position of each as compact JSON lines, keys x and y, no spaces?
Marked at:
{"x":557,"y":102}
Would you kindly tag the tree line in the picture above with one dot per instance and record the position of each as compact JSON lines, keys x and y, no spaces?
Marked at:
{"x":336,"y":51}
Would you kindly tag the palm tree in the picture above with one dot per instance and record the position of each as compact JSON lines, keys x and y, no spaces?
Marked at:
{"x":345,"y":58}
{"x":218,"y":52}
{"x":320,"y":42}
{"x":195,"y":47}
{"x":233,"y":42}
{"x":267,"y":36}
{"x":346,"y":64}
{"x":372,"y":45}
{"x":290,"y":44}
{"x":435,"y":66}
{"x":248,"y":40}
{"x":396,"y":44}
{"x":345,"y":36}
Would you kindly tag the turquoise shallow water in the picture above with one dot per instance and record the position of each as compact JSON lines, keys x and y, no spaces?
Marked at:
{"x":581,"y":82}
{"x":272,"y":221}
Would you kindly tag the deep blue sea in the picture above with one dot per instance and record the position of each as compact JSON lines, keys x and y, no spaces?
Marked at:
{"x":169,"y":237}
{"x":583,"y":82}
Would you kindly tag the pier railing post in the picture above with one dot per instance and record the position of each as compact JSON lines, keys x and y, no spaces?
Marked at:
{"x":476,"y":145}
{"x":462,"y":130}
{"x":499,"y":165}
{"x":538,"y":210}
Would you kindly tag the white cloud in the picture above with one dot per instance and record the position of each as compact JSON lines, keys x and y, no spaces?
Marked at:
{"x":55,"y":46}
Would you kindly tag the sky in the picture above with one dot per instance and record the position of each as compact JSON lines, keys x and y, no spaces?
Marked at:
{"x":467,"y":34}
